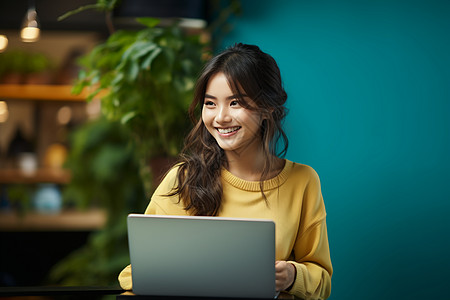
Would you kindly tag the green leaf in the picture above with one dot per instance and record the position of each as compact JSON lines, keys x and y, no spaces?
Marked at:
{"x":147,"y":47}
{"x":161,"y":69}
{"x":148,"y":60}
{"x":128,"y":116}
{"x":119,"y":76}
{"x":132,"y":48}
{"x":95,"y":79}
{"x":149,"y":22}
{"x":82,"y":74}
{"x":78,"y":87}
{"x":133,"y":71}
{"x":93,"y":94}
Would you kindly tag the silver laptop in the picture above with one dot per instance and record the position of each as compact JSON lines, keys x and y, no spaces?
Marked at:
{"x":202,"y":256}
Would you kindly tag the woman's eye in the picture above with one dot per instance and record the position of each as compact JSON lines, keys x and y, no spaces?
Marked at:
{"x":234,"y":103}
{"x":208,"y":103}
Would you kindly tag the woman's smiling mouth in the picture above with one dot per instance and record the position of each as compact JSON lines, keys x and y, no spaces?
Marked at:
{"x":228,"y":130}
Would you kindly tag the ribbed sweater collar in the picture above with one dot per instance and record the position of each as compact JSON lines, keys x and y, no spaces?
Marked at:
{"x":253,"y":186}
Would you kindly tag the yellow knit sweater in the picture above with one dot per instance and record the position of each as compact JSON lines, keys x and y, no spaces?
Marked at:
{"x":294,"y":203}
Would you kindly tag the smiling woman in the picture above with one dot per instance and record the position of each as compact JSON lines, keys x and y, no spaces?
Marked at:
{"x":230,"y":167}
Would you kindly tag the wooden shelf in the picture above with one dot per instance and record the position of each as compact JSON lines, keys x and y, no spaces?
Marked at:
{"x":15,"y":176}
{"x":40,"y":92}
{"x":69,"y":220}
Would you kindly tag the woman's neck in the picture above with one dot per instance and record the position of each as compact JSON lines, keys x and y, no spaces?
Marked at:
{"x":249,"y":164}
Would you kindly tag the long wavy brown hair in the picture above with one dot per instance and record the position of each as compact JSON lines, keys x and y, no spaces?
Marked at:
{"x":250,"y":72}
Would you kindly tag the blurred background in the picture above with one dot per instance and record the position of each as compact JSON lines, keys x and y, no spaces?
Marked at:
{"x":368,"y":86}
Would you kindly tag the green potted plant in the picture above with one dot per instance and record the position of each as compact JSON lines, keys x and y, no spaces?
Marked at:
{"x":13,"y":66}
{"x":18,"y":66}
{"x":38,"y":69}
{"x":146,"y":78}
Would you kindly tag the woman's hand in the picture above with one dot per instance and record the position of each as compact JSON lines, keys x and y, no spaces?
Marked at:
{"x":284,"y":274}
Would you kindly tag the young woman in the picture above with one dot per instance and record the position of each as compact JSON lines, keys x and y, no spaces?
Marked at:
{"x":230,"y":167}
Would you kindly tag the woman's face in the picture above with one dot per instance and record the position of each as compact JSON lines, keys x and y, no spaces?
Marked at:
{"x":234,"y":127}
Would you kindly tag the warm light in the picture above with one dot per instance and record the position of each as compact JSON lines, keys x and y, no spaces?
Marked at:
{"x":64,"y":115}
{"x":4,"y":113}
{"x":30,"y":34}
{"x":94,"y":108}
{"x":3,"y":42}
{"x":30,"y":28}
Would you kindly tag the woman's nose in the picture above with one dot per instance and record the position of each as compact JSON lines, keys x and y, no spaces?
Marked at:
{"x":223,"y":115}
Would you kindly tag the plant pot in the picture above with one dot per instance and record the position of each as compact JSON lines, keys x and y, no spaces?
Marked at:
{"x":12,"y":78}
{"x":45,"y":77}
{"x":48,"y":199}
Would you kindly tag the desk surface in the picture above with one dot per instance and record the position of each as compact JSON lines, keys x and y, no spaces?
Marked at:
{"x":98,"y":291}
{"x":58,"y":291}
{"x":131,"y":296}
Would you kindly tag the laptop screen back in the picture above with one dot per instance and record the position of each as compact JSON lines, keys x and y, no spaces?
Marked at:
{"x":202,"y":256}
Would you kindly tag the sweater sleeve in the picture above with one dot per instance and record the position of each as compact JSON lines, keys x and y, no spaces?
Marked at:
{"x":125,"y":278}
{"x":311,"y":250}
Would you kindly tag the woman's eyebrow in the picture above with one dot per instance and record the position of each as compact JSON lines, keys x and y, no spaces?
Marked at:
{"x":241,"y":96}
{"x":228,"y":98}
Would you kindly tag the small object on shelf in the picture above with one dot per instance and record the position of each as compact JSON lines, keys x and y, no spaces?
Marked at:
{"x":20,"y":153}
{"x":19,"y":143}
{"x":55,"y":156}
{"x":48,"y":199}
{"x":27,"y":162}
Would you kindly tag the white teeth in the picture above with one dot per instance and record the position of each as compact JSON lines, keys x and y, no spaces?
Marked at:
{"x":227,"y":130}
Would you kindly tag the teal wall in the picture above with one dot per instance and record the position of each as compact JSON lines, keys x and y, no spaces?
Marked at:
{"x":369,"y":99}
